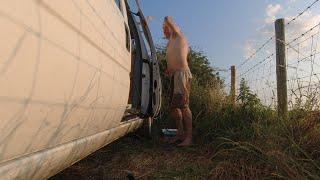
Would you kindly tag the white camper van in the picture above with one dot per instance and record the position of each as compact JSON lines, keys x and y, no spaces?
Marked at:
{"x":75,"y":75}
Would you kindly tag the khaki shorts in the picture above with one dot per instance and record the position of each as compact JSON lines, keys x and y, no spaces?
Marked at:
{"x":180,"y":89}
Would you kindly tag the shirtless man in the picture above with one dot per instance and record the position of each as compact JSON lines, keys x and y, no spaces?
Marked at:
{"x":178,"y":69}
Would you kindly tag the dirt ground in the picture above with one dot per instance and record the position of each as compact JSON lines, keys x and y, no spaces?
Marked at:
{"x":143,"y":159}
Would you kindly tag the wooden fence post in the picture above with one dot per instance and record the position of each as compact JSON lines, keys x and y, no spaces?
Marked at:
{"x":233,"y":85}
{"x":281,"y":68}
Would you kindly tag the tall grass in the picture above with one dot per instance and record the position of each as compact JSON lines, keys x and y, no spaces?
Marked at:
{"x":248,"y":141}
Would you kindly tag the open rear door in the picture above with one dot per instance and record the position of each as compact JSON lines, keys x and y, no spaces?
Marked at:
{"x":145,"y":75}
{"x":156,"y":88}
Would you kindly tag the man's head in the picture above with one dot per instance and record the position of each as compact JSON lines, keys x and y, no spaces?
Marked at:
{"x":166,"y":30}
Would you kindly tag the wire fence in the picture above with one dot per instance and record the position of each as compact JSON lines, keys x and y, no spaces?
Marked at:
{"x":259,"y":70}
{"x":303,"y":69}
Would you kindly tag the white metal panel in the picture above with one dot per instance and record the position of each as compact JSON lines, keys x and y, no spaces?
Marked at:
{"x":64,"y":72}
{"x":43,"y":164}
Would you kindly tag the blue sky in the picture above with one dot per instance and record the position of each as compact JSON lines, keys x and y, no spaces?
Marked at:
{"x":229,"y":31}
{"x":225,"y":30}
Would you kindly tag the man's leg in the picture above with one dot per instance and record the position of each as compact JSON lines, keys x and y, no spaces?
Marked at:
{"x":176,"y":115}
{"x":187,"y":120}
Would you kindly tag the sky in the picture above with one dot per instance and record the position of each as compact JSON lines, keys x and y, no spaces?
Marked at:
{"x":227,"y":31}
{"x":230,"y":31}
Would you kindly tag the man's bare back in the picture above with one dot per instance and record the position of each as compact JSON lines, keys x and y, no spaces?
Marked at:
{"x":177,"y":52}
{"x":177,"y":48}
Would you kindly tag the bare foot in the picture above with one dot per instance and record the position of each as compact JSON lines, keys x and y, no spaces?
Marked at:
{"x":186,"y":143}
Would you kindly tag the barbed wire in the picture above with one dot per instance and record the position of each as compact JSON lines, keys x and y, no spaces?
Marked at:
{"x":260,"y":77}
{"x":256,"y":52}
{"x":260,"y":62}
{"x":302,"y":12}
{"x":303,"y":34}
{"x":303,"y":68}
{"x":304,"y":79}
{"x":272,"y":37}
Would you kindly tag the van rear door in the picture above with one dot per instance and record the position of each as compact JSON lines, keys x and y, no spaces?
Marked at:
{"x":156,"y":88}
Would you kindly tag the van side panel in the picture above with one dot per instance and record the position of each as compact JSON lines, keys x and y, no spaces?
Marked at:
{"x":44,"y":164}
{"x":64,"y":72}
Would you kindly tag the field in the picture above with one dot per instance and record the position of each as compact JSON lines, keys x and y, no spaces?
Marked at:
{"x":152,"y":159}
{"x":242,"y":141}
{"x":145,"y":159}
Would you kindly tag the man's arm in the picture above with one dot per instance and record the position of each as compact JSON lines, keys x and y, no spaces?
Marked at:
{"x":172,"y":25}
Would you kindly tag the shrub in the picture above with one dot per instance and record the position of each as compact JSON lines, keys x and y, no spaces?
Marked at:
{"x":248,"y":137}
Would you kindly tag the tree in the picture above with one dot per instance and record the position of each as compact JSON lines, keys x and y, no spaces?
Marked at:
{"x":207,"y":89}
{"x":246,"y":97}
{"x":200,"y":67}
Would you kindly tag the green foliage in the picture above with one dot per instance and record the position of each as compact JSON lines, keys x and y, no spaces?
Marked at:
{"x":242,"y":141}
{"x":199,"y":65}
{"x":246,"y":97}
{"x":213,"y":115}
{"x":206,"y":89}
{"x":248,"y":137}
{"x":246,"y":120}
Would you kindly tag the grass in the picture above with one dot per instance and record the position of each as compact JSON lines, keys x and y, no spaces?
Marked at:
{"x":146,"y":159}
{"x":245,"y":141}
{"x":271,"y":150}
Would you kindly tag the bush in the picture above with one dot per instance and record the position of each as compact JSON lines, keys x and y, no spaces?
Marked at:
{"x":206,"y":90}
{"x":248,"y":137}
{"x":213,"y":115}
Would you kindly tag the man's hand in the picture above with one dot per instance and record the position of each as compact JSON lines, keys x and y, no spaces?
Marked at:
{"x":169,"y":22}
{"x":168,"y":19}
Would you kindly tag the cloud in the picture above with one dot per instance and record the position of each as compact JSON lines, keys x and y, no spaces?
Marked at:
{"x":299,"y":27}
{"x":295,"y":29}
{"x":305,"y":46}
{"x":272,"y":10}
{"x":303,"y":23}
{"x":249,"y":48}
